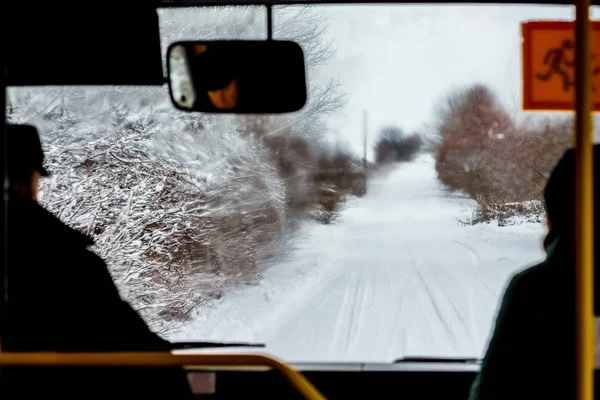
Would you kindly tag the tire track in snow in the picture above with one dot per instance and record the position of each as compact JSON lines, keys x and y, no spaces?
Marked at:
{"x":440,"y":315}
{"x":339,"y":336}
{"x":450,"y":297}
{"x":475,"y":257}
{"x":399,"y":327}
{"x":356,"y":317}
{"x":348,"y":311}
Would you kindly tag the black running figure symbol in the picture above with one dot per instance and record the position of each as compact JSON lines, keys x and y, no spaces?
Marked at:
{"x":555,"y":59}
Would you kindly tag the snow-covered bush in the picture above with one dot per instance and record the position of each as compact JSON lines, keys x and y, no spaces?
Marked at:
{"x":485,"y":154}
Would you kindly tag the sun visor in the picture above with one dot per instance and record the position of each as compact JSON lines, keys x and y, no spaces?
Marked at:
{"x":104,"y":43}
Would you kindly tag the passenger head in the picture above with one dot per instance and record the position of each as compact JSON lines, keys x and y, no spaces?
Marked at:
{"x":25,"y":160}
{"x":559,"y":195}
{"x":227,"y":97}
{"x":220,"y":80}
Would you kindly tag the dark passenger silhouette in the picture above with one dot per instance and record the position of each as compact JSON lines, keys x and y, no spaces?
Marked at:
{"x":531,"y":354}
{"x":61,"y":297}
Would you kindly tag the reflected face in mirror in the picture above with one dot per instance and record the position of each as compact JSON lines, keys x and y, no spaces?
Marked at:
{"x":226,"y":98}
{"x":216,"y":74}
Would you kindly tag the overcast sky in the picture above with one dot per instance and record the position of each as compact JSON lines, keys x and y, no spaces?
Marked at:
{"x":398,"y":61}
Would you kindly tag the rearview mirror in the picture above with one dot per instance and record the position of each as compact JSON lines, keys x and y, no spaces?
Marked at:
{"x":240,"y":77}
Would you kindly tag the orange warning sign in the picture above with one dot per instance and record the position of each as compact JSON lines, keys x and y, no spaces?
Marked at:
{"x":549,"y":65}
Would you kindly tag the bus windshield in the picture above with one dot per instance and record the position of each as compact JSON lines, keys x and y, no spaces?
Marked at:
{"x":381,"y":221}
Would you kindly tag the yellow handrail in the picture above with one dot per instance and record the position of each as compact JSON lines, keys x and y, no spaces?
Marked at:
{"x":164,"y":359}
{"x":584,"y":206}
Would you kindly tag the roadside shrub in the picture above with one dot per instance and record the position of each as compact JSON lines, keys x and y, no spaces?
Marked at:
{"x":483,"y":153}
{"x":317,"y":179}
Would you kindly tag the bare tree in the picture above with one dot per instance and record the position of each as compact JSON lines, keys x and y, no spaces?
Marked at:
{"x":308,"y":26}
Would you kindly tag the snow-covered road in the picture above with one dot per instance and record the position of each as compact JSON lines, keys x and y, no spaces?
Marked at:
{"x":396,"y":275}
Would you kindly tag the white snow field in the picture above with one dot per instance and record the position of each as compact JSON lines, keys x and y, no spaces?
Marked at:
{"x":397,"y":275}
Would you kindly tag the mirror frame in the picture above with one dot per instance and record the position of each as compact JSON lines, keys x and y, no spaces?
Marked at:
{"x":226,"y":111}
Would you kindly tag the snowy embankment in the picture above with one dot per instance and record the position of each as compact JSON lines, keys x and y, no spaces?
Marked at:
{"x":397,"y":275}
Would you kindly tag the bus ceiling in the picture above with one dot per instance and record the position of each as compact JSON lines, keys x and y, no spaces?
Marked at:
{"x":101,"y":43}
{"x":192,"y":3}
{"x":107,"y":42}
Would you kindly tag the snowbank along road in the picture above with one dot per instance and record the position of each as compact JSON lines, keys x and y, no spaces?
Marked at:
{"x":396,"y":275}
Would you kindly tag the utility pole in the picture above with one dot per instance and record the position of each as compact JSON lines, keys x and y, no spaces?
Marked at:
{"x":365,"y":150}
{"x":365,"y":141}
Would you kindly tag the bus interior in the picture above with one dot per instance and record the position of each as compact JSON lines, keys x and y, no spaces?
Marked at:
{"x":333,"y":94}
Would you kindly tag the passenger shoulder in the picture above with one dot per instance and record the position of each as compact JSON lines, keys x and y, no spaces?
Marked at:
{"x":528,"y":276}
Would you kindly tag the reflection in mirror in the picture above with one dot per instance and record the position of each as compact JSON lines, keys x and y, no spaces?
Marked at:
{"x":237,"y":76}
